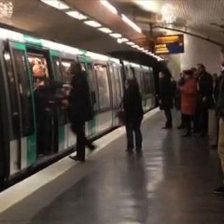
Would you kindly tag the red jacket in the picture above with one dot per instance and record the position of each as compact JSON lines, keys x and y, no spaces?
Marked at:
{"x":189,"y":97}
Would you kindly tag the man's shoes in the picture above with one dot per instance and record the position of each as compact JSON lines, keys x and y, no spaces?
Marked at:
{"x":138,"y":150}
{"x":219,"y":190}
{"x":76,"y":158}
{"x":129,"y":150}
{"x":180,"y":127}
{"x":188,"y":134}
{"x":92,"y":147}
{"x":167,"y":127}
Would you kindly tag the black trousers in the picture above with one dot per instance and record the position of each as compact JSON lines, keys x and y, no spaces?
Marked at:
{"x":204,"y":122}
{"x":168,"y":115}
{"x":187,"y":121}
{"x":78,"y":128}
{"x":133,"y":127}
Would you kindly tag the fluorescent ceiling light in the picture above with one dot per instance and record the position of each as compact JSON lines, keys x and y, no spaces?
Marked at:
{"x":130,"y":43}
{"x":76,"y":15}
{"x":105,"y":30}
{"x":109,"y":6}
{"x":122,"y":40}
{"x":92,"y":23}
{"x":56,"y":4}
{"x":134,"y":46}
{"x":115,"y":35}
{"x":130,"y":23}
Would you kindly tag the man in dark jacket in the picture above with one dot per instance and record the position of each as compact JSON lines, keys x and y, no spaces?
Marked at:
{"x":205,"y":84}
{"x":166,"y":98}
{"x":80,"y":109}
{"x":220,"y":113}
{"x":132,"y":103}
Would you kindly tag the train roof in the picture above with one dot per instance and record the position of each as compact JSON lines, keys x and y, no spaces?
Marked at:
{"x":7,"y":34}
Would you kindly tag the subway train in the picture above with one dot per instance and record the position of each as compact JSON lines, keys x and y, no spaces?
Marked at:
{"x":34,"y":80}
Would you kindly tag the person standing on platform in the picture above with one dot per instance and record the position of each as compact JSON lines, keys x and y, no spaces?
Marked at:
{"x":166,"y":98}
{"x":205,"y":87}
{"x":80,"y":109}
{"x":220,"y":114}
{"x":132,"y":103}
{"x":188,"y":99}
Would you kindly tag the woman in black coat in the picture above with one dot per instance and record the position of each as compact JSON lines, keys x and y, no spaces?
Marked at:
{"x":80,"y":109}
{"x":166,"y":95}
{"x":132,"y":103}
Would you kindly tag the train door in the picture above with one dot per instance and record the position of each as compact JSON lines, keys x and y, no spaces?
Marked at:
{"x":44,"y":89}
{"x":104,"y":117}
{"x":66,"y":78}
{"x":117,"y":90}
{"x":61,"y":109}
{"x":23,"y":138}
{"x":91,"y":126}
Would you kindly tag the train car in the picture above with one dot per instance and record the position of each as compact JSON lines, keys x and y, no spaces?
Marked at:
{"x":33,"y":78}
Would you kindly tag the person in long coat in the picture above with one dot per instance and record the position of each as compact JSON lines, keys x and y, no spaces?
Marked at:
{"x":188,"y":99}
{"x":166,"y":96}
{"x":132,"y":103}
{"x":80,"y":110}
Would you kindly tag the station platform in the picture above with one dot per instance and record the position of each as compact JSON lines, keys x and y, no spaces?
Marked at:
{"x":171,"y":183}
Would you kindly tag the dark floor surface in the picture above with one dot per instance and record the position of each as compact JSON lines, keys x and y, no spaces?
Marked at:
{"x":171,"y":183}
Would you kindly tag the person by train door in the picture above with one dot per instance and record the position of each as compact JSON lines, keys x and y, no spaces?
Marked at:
{"x":80,"y":109}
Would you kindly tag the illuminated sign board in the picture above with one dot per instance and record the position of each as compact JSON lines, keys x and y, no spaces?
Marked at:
{"x":172,"y":44}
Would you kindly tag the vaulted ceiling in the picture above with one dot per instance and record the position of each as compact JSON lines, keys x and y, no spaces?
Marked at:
{"x":201,"y":17}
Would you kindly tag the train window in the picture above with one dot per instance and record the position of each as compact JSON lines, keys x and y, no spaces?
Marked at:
{"x":38,"y":65}
{"x":12,"y":94}
{"x":65,"y":65}
{"x":146,"y":82}
{"x":25,"y":91}
{"x":103,"y":87}
{"x":93,"y":85}
{"x":56,"y":64}
{"x":116,"y":86}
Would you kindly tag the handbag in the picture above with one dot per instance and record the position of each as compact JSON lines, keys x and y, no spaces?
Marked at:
{"x":121,"y":116}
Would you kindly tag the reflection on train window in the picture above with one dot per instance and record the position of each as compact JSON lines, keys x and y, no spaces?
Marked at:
{"x":103,"y":87}
{"x":25,"y":92}
{"x":147,"y":83}
{"x":12,"y":94}
{"x":38,"y":65}
{"x":66,"y":75}
{"x":93,"y":86}
{"x":56,"y":64}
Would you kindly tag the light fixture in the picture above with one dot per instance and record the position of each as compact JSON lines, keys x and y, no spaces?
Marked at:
{"x":130,"y":23}
{"x":130,"y":43}
{"x":56,"y":4}
{"x":116,"y":35}
{"x":105,"y":30}
{"x":6,"y":10}
{"x":122,"y":40}
{"x":76,"y":15}
{"x":92,"y":23}
{"x":168,"y":14}
{"x":109,"y":6}
{"x":134,"y":46}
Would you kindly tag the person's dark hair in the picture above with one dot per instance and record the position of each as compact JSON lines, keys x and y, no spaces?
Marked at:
{"x":189,"y":72}
{"x":75,"y":67}
{"x":201,"y":66}
{"x":132,"y":85}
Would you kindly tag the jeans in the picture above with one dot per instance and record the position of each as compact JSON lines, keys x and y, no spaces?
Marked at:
{"x":168,"y":117}
{"x":134,"y":127}
{"x":78,"y":128}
